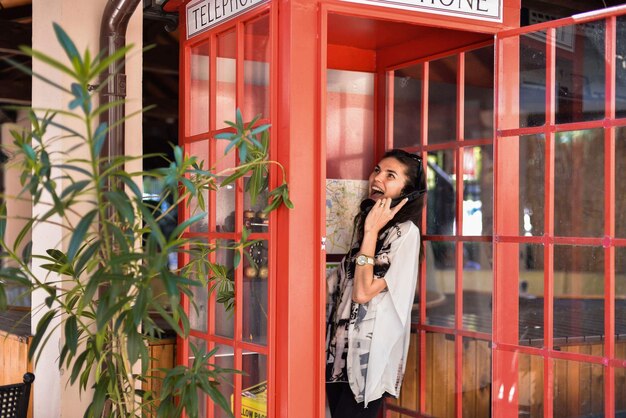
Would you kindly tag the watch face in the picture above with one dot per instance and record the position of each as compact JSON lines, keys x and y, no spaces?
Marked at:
{"x":361,"y":260}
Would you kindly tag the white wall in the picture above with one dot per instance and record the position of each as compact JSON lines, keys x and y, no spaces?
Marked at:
{"x":53,"y":397}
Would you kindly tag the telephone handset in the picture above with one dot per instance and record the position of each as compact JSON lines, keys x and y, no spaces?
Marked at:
{"x":368,"y":204}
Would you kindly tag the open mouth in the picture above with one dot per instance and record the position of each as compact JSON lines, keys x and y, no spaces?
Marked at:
{"x":376,"y":192}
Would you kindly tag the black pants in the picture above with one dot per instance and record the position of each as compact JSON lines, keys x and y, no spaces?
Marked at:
{"x":342,"y":404}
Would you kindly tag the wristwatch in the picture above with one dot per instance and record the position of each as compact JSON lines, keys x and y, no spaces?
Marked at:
{"x":363,"y":259}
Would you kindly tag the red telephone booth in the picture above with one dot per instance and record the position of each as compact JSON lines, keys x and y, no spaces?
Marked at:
{"x":521,"y":297}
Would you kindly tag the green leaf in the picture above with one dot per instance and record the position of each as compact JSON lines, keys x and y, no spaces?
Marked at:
{"x":79,"y":233}
{"x":122,"y":205}
{"x":40,"y":56}
{"x":99,"y":136}
{"x":3,"y":299}
{"x":71,"y":334}
{"x":3,"y":219}
{"x":66,"y":43}
{"x":40,"y":331}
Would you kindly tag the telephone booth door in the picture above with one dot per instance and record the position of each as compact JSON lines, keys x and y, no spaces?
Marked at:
{"x":560,"y":219}
{"x":232,"y":67}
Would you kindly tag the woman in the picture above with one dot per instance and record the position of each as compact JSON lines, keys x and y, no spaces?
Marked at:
{"x":371,"y":292}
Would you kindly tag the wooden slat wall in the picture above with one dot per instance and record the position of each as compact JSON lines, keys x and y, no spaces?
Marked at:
{"x":14,"y":362}
{"x":162,"y":355}
{"x":578,"y":387}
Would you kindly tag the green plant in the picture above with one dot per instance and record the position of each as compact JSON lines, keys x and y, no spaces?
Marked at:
{"x":100,"y":279}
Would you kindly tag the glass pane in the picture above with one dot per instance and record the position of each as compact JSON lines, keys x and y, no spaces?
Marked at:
{"x":349,"y":124}
{"x":531,"y":276}
{"x":620,"y":68}
{"x":224,"y":357}
{"x":224,"y":318}
{"x":440,"y":277}
{"x":441,"y":184}
{"x":476,"y":378}
{"x":200,"y":150}
{"x":199,"y":90}
{"x":479,"y":93}
{"x":226,"y":78}
{"x":440,"y":373}
{"x":256,"y":68}
{"x":620,"y":302}
{"x":442,"y":100}
{"x":578,"y":294}
{"x":409,"y":392}
{"x":255,"y":309}
{"x":620,"y":185}
{"x":477,"y":286}
{"x":580,"y":79}
{"x":578,"y":388}
{"x":225,"y":207}
{"x":532,"y":80}
{"x":199,"y":302}
{"x":620,"y":390}
{"x":254,"y":220}
{"x":407,"y":106}
{"x":532,"y":168}
{"x":579,"y":183}
{"x":254,"y":385}
{"x":530,"y":382}
{"x":477,"y":190}
{"x":202,"y":398}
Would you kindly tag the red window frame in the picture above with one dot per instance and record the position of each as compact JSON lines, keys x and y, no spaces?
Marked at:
{"x":238,"y":343}
{"x":507,"y":239}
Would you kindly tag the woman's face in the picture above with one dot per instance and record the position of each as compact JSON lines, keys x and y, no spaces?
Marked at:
{"x":388,"y":179}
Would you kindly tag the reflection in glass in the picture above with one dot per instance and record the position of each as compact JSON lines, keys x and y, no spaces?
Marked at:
{"x":256,"y":67}
{"x":479,"y":93}
{"x":532,"y":167}
{"x":580,"y":78}
{"x":225,"y":207}
{"x":620,"y":302}
{"x":476,"y":378}
{"x":199,"y":90}
{"x":532,"y":79}
{"x":440,"y":374}
{"x":530,"y":383}
{"x":531,"y":276}
{"x":620,"y":68}
{"x":226,"y":78}
{"x":620,"y":388}
{"x":202,"y":398}
{"x":441,"y":184}
{"x":224,"y":357}
{"x":578,"y":293}
{"x":578,"y":387}
{"x":407,"y":106}
{"x":254,"y":220}
{"x":620,"y":185}
{"x":254,"y":383}
{"x":477,"y":190}
{"x":200,"y":150}
{"x":579,"y":183}
{"x":440,"y":278}
{"x":224,"y":321}
{"x":442,"y":100}
{"x":255,"y":279}
{"x":477,"y":286}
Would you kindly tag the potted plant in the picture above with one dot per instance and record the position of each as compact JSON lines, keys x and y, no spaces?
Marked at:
{"x":100,"y":278}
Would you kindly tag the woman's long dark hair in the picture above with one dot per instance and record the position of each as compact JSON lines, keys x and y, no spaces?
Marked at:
{"x":416,"y":182}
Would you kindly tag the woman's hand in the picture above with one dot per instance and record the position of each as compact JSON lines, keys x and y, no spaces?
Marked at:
{"x":381,"y":214}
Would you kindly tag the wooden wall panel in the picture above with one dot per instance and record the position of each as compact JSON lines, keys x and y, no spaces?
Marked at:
{"x":14,"y":361}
